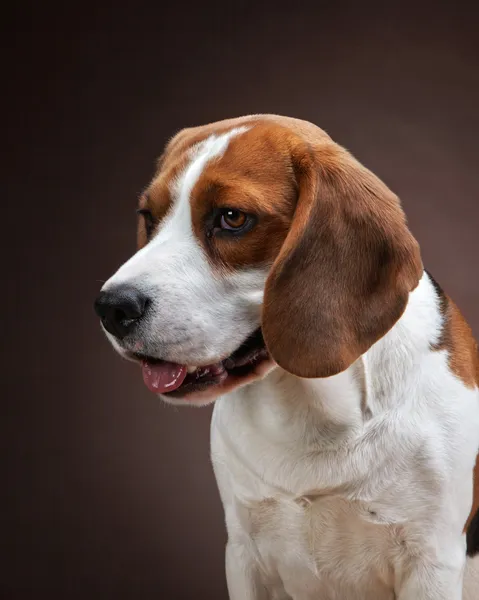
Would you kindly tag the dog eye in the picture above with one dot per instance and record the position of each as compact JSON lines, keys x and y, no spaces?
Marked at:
{"x":149,"y":219}
{"x":233,"y":220}
{"x":229,"y":222}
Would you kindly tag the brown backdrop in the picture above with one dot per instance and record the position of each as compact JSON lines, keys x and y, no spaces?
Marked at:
{"x":107,"y":492}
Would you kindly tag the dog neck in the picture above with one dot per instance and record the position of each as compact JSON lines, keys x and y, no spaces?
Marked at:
{"x":333,"y":409}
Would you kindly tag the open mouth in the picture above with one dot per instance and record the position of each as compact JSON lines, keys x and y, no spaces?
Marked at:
{"x":177,"y":380}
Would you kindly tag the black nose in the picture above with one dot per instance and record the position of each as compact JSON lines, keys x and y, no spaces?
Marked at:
{"x":120,"y":309}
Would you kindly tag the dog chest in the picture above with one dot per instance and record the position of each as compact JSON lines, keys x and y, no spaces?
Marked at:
{"x":323,"y":545}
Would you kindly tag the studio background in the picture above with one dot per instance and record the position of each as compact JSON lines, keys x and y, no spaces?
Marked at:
{"x":107,"y":492}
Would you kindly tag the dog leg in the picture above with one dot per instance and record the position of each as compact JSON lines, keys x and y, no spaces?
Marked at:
{"x":242,"y":574}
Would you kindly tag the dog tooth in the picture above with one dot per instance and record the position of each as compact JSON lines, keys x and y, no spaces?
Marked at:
{"x":191,"y":369}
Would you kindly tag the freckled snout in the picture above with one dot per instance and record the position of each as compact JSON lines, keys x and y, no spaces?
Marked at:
{"x":120,"y":309}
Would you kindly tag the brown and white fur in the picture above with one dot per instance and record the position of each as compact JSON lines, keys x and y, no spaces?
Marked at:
{"x":345,"y":458}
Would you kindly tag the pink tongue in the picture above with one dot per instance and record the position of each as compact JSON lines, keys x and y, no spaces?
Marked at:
{"x":163,"y":377}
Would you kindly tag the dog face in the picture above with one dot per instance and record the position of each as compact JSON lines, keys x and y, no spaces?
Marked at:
{"x":261,"y":243}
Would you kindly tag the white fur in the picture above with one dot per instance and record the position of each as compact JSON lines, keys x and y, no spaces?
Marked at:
{"x":356,"y":486}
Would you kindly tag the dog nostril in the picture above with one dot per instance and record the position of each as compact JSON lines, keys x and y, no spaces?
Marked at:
{"x":120,"y":309}
{"x":128,"y":312}
{"x":120,"y":315}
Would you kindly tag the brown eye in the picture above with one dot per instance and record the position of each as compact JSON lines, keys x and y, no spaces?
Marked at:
{"x":229,"y":222}
{"x":233,"y":219}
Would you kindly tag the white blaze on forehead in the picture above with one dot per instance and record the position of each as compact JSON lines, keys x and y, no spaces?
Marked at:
{"x":175,"y":240}
{"x":179,"y":220}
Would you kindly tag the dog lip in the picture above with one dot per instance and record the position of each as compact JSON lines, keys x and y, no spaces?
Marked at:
{"x":237,"y":367}
{"x":241,"y":363}
{"x":252,"y":347}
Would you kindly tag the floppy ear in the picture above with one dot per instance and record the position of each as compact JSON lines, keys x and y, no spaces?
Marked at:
{"x":345,"y":270}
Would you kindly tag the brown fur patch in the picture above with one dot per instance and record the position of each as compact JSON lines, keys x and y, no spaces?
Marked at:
{"x":457,"y":339}
{"x":254,"y":176}
{"x":475,"y":500}
{"x":157,"y":200}
{"x":463,"y":359}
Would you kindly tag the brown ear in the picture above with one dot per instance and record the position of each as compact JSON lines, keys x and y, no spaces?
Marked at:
{"x":344,"y":272}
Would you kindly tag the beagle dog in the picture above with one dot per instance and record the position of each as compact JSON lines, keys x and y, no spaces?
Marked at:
{"x":276,"y":276}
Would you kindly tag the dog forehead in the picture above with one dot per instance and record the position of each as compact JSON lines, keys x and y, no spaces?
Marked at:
{"x":188,"y":137}
{"x":262,"y":129}
{"x":181,"y":167}
{"x":198,"y":158}
{"x":258,"y":148}
{"x":172,"y":191}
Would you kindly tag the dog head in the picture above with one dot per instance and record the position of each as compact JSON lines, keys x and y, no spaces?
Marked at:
{"x":262,"y":243}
